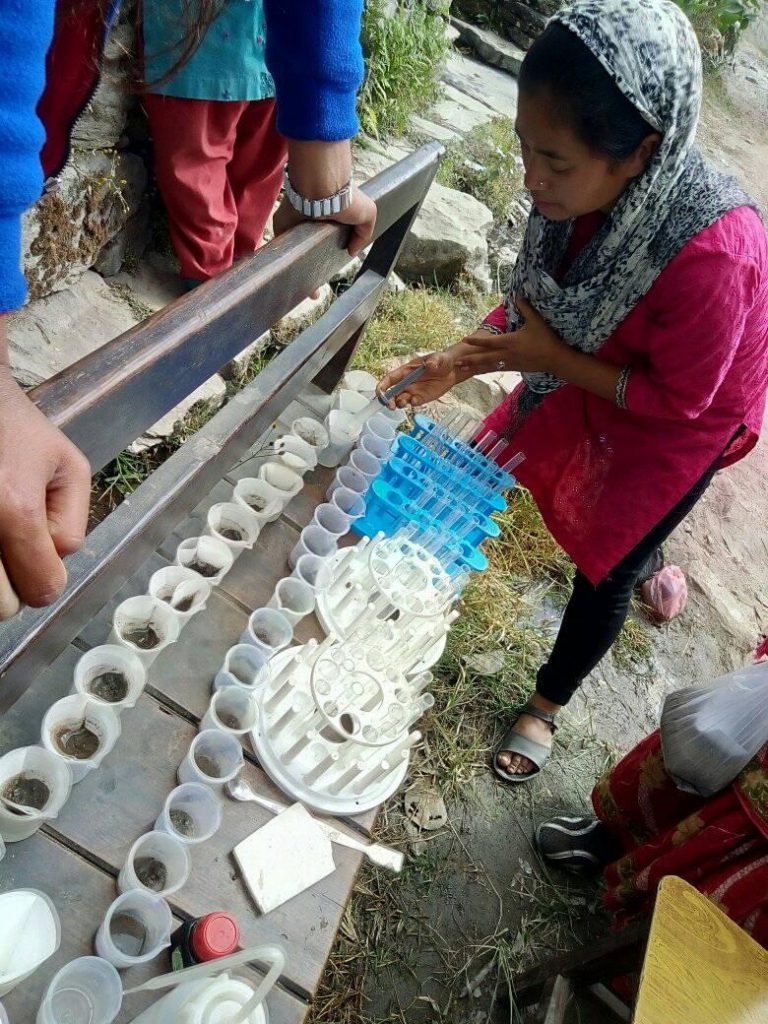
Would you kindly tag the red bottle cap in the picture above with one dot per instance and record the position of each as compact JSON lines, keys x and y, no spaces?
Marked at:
{"x":213,"y":936}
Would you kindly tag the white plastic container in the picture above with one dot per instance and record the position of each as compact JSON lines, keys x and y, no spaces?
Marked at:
{"x":233,"y":709}
{"x":268,"y":630}
{"x":203,"y":554}
{"x":294,"y":598}
{"x":311,"y":431}
{"x":244,"y":666}
{"x":213,"y":758}
{"x":229,"y":517}
{"x":352,"y":479}
{"x":167,"y":851}
{"x":380,"y":427}
{"x":147,"y":618}
{"x":185,"y":591}
{"x":362,"y":381}
{"x":87,"y":990}
{"x":292,"y":461}
{"x":69,"y":713}
{"x":111,"y":659}
{"x":332,"y":519}
{"x":365,"y":464}
{"x":349,"y":503}
{"x":202,"y":811}
{"x":30,"y":934}
{"x":296,"y":446}
{"x":142,"y":912}
{"x":313,"y":540}
{"x":343,"y":430}
{"x":40,"y":764}
{"x":258,"y":498}
{"x":315,"y":571}
{"x":376,"y":446}
{"x":3,"y":1015}
{"x":212,"y":1000}
{"x":348,"y":400}
{"x":284,"y":483}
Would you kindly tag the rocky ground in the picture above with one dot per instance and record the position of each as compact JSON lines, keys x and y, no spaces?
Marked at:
{"x":438,"y":943}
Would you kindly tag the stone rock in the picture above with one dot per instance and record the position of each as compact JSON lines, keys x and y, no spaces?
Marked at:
{"x":235,"y":368}
{"x":213,"y":391}
{"x":520,"y":22}
{"x":488,"y":663}
{"x":154,"y":283}
{"x":460,"y":112}
{"x":306,"y":312}
{"x":103,"y":121}
{"x":395,"y":283}
{"x":129,"y":243}
{"x":738,"y":619}
{"x":432,"y":130}
{"x":484,"y":392}
{"x":56,"y":331}
{"x":490,"y":46}
{"x":493,"y":89}
{"x":348,"y":272}
{"x":64,"y":232}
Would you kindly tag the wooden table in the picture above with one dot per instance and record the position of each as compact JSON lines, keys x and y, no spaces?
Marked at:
{"x":76,"y":857}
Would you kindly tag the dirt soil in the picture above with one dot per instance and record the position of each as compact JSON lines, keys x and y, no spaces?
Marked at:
{"x":474,"y":902}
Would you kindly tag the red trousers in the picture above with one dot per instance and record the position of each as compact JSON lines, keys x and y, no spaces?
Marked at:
{"x":219,"y":168}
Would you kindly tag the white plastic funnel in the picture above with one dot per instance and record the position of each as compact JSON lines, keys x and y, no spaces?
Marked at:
{"x":30,"y":933}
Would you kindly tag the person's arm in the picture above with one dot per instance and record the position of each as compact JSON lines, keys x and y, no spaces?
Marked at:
{"x":44,"y":479}
{"x":315,"y":57}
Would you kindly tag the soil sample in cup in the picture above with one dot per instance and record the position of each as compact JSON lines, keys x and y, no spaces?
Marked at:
{"x":264,"y":635}
{"x":231,"y":533}
{"x":208,"y":765}
{"x":183,"y":605}
{"x":230,"y":719}
{"x":183,"y":822}
{"x":109,"y":686}
{"x":76,"y":741}
{"x":27,"y":791}
{"x":257,"y":502}
{"x":151,"y":872}
{"x":204,"y":568}
{"x":143,"y":637}
{"x":128,"y":933}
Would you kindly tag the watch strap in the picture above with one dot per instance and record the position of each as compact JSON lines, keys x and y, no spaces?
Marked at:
{"x":315,"y":209}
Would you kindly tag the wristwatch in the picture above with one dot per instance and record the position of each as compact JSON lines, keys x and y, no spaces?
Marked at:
{"x":316,"y":208}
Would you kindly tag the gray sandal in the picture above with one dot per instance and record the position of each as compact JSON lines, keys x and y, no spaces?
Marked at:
{"x":515,"y":743}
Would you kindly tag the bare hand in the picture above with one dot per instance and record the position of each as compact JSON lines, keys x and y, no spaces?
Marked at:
{"x":532,"y":348}
{"x":360,"y":214}
{"x":45,"y":484}
{"x":440,"y":376}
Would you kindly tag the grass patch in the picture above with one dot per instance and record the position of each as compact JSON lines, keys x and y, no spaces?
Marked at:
{"x":404,"y":54}
{"x":487,"y":164}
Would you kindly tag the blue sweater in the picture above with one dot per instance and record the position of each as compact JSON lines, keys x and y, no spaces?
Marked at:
{"x":313,"y":53}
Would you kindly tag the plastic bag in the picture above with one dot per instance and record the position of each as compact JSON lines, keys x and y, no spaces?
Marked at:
{"x":666,"y":593}
{"x":710,"y":733}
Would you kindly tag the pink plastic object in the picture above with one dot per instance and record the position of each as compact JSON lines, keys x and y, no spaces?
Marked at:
{"x":666,"y":593}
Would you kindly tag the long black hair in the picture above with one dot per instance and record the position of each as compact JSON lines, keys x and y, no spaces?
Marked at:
{"x":591,"y":103}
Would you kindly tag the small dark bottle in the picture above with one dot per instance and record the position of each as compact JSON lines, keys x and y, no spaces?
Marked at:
{"x":205,"y":938}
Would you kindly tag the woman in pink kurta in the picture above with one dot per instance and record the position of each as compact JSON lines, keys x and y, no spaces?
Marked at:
{"x":638,"y":315}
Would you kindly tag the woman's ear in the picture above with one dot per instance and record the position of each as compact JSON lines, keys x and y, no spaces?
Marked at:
{"x":644,"y":154}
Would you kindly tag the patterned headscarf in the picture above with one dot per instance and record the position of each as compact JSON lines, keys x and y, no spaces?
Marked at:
{"x":651,"y":52}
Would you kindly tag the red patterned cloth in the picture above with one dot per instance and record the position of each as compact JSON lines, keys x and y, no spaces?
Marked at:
{"x":697,"y":345}
{"x":718,"y":844}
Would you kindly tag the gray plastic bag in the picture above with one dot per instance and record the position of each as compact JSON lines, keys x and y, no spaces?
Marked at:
{"x":710,"y":733}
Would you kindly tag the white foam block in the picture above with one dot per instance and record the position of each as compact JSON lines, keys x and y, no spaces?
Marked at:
{"x":284,"y":857}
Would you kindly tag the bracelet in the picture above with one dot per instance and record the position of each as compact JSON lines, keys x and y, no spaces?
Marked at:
{"x":491,"y":328}
{"x":317,"y":208}
{"x":621,"y":387}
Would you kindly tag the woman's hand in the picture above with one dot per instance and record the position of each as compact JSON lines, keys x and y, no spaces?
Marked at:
{"x":532,"y":348}
{"x":439,"y":377}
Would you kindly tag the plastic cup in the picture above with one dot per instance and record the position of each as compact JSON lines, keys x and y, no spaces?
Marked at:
{"x":315,"y":571}
{"x":350,"y":401}
{"x":311,"y":431}
{"x":362,"y":381}
{"x":290,"y":443}
{"x":37,"y":765}
{"x":343,"y":431}
{"x":70,"y":713}
{"x":347,"y":476}
{"x":292,"y":461}
{"x":232,"y":709}
{"x":365,"y":464}
{"x":284,"y":482}
{"x":192,"y":813}
{"x":313,"y":540}
{"x":207,"y":556}
{"x":258,"y":498}
{"x":331,"y":518}
{"x":172,"y":864}
{"x":87,"y":990}
{"x":185,"y":591}
{"x":375,"y":446}
{"x":268,"y":630}
{"x":395,"y":416}
{"x":381,"y":427}
{"x":233,"y":525}
{"x":349,"y":503}
{"x":213,"y":758}
{"x":294,"y":598}
{"x":141,"y":621}
{"x":103,"y":673}
{"x":136,"y":921}
{"x":243,"y":666}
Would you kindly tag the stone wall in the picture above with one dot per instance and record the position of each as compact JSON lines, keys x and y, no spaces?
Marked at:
{"x":520,"y":22}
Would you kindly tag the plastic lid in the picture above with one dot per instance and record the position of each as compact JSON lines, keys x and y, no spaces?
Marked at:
{"x":215,"y":935}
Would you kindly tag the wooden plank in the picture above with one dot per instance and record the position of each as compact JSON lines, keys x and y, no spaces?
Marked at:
{"x":82,"y":893}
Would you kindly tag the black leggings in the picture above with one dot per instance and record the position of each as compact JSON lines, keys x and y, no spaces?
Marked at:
{"x":595,"y":614}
